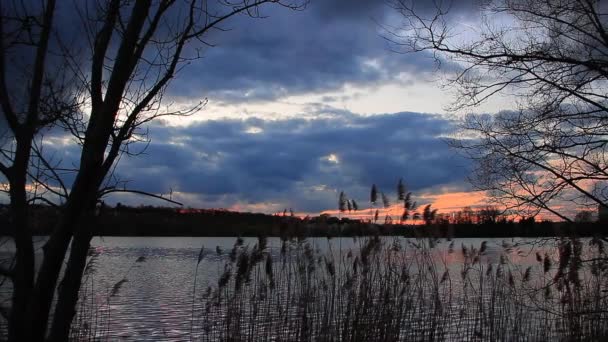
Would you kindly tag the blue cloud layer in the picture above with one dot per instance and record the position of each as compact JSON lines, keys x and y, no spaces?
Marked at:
{"x":329,"y":45}
{"x":222,"y":162}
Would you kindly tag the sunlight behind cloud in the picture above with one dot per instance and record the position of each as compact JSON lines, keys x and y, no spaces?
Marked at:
{"x":332,"y":158}
{"x":254,"y":130}
{"x":321,"y":187}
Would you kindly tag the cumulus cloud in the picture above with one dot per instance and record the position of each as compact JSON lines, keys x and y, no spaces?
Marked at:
{"x":301,"y":163}
{"x":326,"y":47}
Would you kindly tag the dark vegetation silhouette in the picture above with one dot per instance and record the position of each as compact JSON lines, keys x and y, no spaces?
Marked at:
{"x":167,"y":221}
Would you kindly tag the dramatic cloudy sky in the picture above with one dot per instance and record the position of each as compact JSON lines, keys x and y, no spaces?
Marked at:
{"x":302,"y":105}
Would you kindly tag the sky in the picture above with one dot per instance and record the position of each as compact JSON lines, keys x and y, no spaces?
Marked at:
{"x":301,"y":106}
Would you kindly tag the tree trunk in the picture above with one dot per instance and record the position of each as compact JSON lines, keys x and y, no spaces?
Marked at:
{"x":54,"y":255}
{"x":23,"y":271}
{"x":23,"y":132}
{"x":42,"y":296}
{"x":82,"y":200}
{"x":70,"y":286}
{"x":23,"y":276}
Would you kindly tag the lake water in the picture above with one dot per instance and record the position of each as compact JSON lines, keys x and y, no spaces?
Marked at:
{"x":156,"y":301}
{"x":142,"y":288}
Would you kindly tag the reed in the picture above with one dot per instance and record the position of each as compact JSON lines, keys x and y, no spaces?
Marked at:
{"x":387,"y":289}
{"x":93,"y":312}
{"x":391,"y":289}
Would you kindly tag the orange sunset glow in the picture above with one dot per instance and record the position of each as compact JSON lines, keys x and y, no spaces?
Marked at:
{"x":444,"y":203}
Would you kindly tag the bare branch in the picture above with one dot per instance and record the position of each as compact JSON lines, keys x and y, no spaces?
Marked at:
{"x":7,"y":108}
{"x":111,"y":190}
{"x":549,"y":56}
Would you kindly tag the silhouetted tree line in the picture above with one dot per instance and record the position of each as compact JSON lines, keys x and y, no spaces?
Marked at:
{"x":165,"y":221}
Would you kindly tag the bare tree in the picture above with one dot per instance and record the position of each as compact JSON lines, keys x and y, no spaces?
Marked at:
{"x":134,"y":51}
{"x":488,"y":215}
{"x":583,"y":217}
{"x":28,"y":108}
{"x":549,"y":154}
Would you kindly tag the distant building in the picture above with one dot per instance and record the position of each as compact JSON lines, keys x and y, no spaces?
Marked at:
{"x":602,"y":213}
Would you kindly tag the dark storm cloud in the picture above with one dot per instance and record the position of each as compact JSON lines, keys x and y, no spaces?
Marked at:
{"x":286,"y":159}
{"x":330,"y":44}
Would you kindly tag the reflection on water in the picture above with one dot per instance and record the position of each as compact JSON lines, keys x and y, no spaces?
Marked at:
{"x":156,"y":301}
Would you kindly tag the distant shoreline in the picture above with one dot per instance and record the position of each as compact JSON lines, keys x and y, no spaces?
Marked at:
{"x":300,"y":229}
{"x":169,"y":222}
